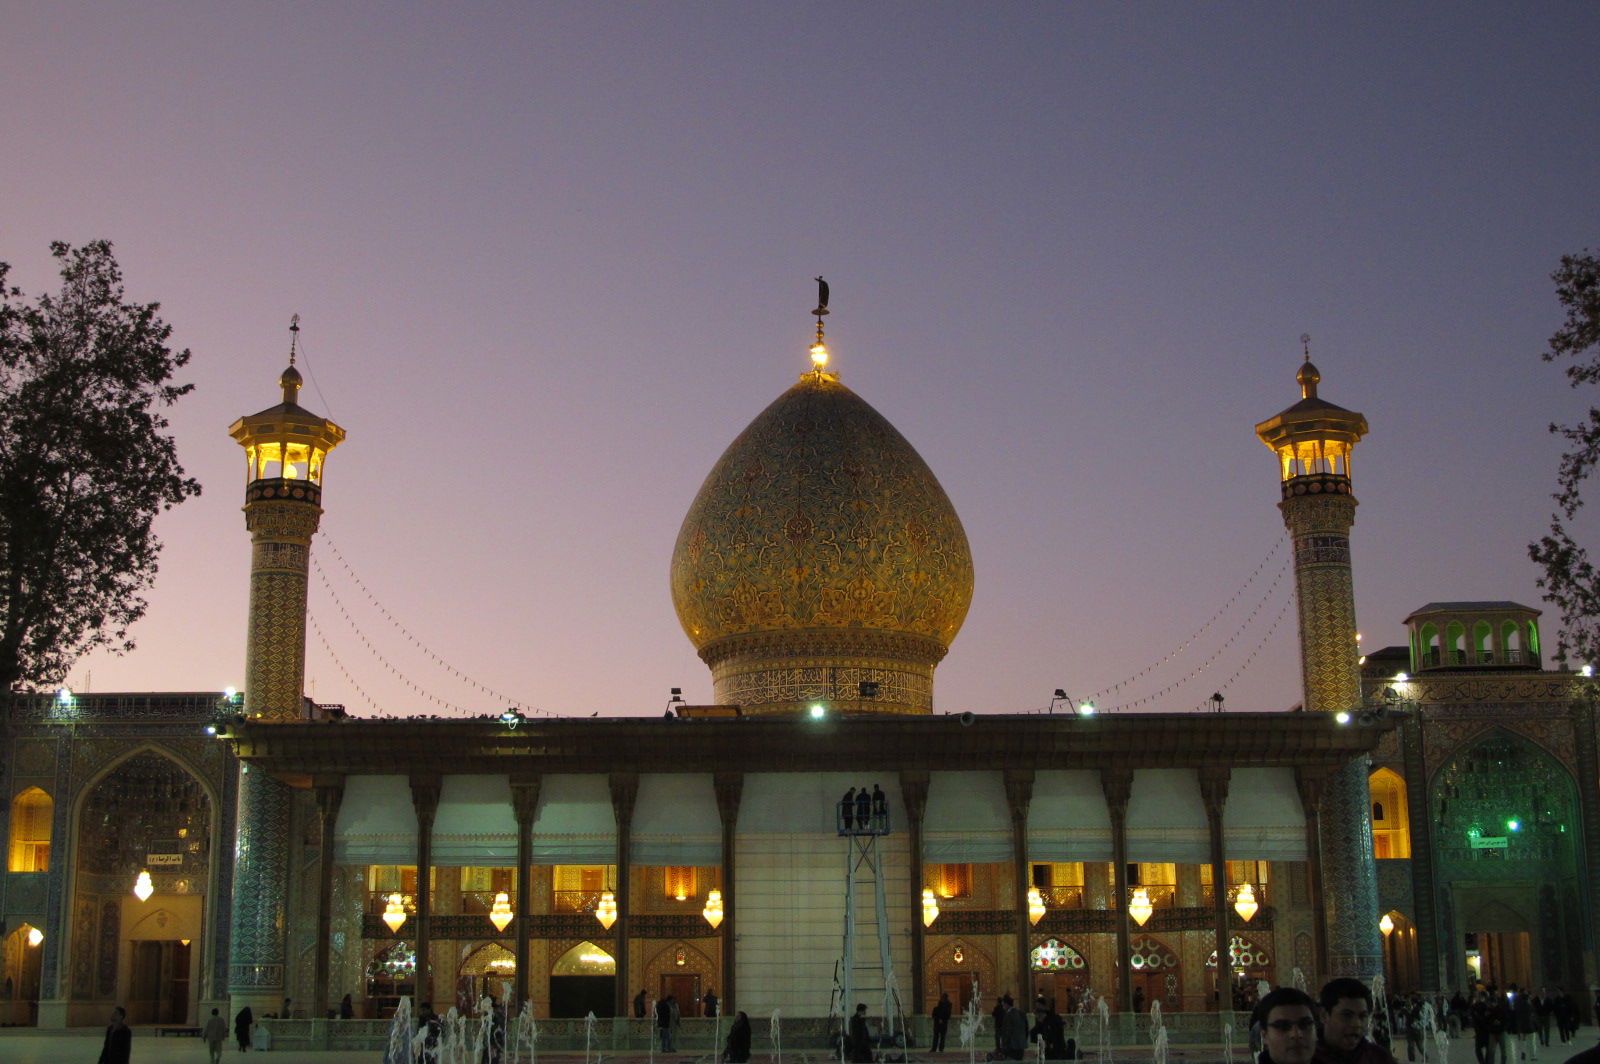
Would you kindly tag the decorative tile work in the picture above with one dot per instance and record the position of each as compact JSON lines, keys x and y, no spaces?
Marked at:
{"x":1444,"y":737}
{"x":276,"y":641}
{"x":1349,"y":877}
{"x":256,"y":942}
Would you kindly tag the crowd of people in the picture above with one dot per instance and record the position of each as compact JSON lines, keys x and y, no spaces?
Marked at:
{"x":1341,"y":1026}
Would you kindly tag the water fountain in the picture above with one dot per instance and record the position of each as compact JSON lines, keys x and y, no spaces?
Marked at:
{"x":1158,"y":1034}
{"x":588,"y":1035}
{"x":398,"y":1050}
{"x":971,"y":1024}
{"x":522,"y":1041}
{"x":1104,"y":1048}
{"x":776,"y":1031}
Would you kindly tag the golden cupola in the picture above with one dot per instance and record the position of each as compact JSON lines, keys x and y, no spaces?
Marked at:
{"x":821,"y":563}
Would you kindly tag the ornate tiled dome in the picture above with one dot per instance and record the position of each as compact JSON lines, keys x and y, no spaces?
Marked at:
{"x":821,"y":553}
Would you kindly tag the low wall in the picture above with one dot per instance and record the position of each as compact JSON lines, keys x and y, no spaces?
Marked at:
{"x":801,"y":1034}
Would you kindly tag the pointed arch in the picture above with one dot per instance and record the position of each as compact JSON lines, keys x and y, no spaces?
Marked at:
{"x":1391,"y":816}
{"x":586,"y":958}
{"x":489,"y":958}
{"x":31,"y":814}
{"x":1504,"y":804}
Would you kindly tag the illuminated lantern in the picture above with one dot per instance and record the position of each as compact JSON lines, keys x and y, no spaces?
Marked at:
{"x":394,"y":914}
{"x":1245,"y":904}
{"x":713,"y":910}
{"x":1140,"y":908}
{"x":500,"y":911}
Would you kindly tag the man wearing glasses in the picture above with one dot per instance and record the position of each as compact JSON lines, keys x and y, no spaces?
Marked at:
{"x":1346,"y":1015}
{"x":1289,"y":1027}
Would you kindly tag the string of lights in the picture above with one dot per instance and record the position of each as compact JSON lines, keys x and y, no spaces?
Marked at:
{"x":327,"y":648}
{"x":375,"y":652}
{"x":1224,"y":608}
{"x":394,"y":621}
{"x":1208,"y":662}
{"x":1240,"y":671}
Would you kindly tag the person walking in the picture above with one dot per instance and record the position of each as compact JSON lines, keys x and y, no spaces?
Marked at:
{"x":119,"y":1039}
{"x":710,"y":1003}
{"x":638,"y":1005}
{"x":215,"y":1035}
{"x":860,"y":1040}
{"x":941,"y":1022}
{"x":242,"y":1025}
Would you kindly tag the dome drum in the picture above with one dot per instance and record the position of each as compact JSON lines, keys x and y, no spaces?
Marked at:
{"x":773,"y":673}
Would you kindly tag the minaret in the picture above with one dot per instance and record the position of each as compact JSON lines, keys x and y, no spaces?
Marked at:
{"x":285,"y":446}
{"x":1313,"y":440}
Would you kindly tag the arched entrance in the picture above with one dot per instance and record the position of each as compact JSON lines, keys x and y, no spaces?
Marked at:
{"x":1155,"y":976}
{"x":1506,"y":812}
{"x":1249,"y":964}
{"x":583,"y":980}
{"x":148,"y":814}
{"x":488,"y":971}
{"x":20,"y":954}
{"x":1060,"y":975}
{"x":391,"y":975}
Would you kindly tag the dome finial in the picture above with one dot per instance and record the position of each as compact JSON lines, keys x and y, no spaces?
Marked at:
{"x":1308,"y":375}
{"x":290,"y":381}
{"x":819,"y":350}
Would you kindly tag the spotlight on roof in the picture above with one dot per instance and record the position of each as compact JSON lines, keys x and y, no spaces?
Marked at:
{"x":1401,"y":677}
{"x":1342,"y":717}
{"x":1086,"y":709}
{"x":817,"y":711}
{"x":511,"y":718}
{"x":1586,"y":671}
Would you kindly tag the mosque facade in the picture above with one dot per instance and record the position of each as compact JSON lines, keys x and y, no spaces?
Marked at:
{"x":295,"y":856}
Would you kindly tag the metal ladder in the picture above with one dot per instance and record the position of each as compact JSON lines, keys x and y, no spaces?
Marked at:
{"x":863,"y":861}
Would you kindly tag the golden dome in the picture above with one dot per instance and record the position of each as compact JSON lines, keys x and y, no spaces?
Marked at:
{"x":820,"y":553}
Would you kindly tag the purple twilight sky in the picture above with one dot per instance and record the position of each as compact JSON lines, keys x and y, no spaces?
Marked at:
{"x":552,"y":258}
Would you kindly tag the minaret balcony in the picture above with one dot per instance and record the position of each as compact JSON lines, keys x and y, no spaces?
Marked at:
{"x":1316,"y":484}
{"x":285,"y":489}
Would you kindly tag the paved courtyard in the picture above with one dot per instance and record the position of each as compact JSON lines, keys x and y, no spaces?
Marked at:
{"x":26,"y":1047}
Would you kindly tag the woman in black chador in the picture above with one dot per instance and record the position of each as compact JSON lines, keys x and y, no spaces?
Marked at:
{"x":736,"y":1050}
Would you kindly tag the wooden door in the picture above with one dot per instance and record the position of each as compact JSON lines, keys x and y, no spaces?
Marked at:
{"x":687,"y":987}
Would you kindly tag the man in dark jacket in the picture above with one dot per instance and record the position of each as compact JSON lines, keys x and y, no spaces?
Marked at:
{"x":941,"y":1022}
{"x":119,"y":1039}
{"x":859,"y":1048}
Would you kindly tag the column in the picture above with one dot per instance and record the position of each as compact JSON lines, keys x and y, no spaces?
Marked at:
{"x":1424,"y":882}
{"x":624,"y":792}
{"x":1118,"y":787}
{"x":525,"y":804}
{"x":1311,"y":784}
{"x":330,"y":792}
{"x":1214,"y":793}
{"x":257,"y":950}
{"x":425,"y":799}
{"x":1587,"y":738}
{"x":914,"y":793}
{"x":1019,"y":793}
{"x":730,"y":789}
